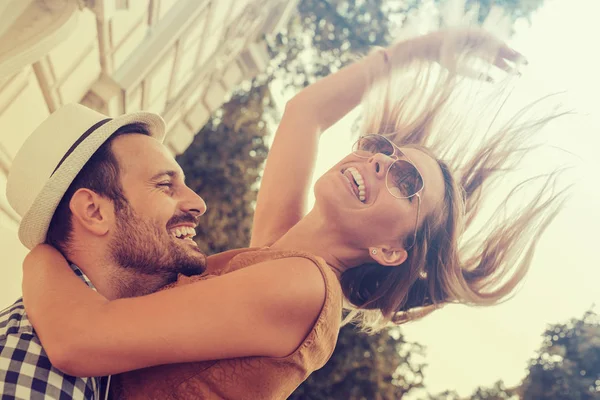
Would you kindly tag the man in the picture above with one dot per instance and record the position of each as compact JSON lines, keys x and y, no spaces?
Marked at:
{"x":98,"y":189}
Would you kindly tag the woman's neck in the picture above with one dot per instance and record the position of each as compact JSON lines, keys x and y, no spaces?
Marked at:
{"x":313,"y":235}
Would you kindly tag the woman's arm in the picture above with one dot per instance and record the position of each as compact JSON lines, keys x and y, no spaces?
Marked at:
{"x":234,"y":315}
{"x":286,"y":180}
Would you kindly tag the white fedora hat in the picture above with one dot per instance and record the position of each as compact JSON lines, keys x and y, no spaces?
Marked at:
{"x":53,"y":155}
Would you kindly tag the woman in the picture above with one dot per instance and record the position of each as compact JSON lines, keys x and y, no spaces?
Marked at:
{"x":383,"y":236}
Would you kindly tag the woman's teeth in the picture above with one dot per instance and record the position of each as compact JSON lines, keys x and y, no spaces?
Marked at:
{"x":183,"y":232}
{"x":360,"y":183}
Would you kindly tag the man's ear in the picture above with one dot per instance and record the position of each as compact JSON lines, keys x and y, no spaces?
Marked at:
{"x":92,"y":211}
{"x":388,"y":257}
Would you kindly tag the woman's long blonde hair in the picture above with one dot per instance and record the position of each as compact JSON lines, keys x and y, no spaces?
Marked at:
{"x":461,"y":254}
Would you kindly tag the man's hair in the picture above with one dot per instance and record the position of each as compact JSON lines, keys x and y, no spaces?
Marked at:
{"x":100,"y":174}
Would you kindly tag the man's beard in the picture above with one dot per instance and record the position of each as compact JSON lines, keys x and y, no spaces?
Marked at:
{"x":145,"y":248}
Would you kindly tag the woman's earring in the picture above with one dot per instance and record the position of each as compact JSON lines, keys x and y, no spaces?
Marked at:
{"x":374,"y":251}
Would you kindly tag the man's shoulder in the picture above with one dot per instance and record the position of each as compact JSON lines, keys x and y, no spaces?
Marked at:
{"x":26,"y":371}
{"x":17,"y":337}
{"x":14,"y":321}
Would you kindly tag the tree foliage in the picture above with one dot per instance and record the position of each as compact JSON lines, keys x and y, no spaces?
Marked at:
{"x":223,"y":165}
{"x":497,"y":392}
{"x":515,"y":9}
{"x":326,"y":35}
{"x":567,"y":365}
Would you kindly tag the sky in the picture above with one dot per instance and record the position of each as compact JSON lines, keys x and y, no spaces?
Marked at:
{"x":469,"y":347}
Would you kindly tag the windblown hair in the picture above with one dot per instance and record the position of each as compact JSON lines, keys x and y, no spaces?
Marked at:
{"x":464,"y":253}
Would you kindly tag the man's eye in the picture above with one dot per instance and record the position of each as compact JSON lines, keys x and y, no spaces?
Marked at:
{"x":165,"y":184}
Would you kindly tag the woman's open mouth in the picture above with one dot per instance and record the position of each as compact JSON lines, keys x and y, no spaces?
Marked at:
{"x":357,"y":183}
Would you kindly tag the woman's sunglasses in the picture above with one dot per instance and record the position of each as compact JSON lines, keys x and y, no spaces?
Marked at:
{"x":402,"y":179}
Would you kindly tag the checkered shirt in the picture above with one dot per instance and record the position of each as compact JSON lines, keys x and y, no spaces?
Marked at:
{"x":25,"y":370}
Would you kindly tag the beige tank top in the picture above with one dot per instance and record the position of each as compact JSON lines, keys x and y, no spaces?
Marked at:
{"x":251,"y":378}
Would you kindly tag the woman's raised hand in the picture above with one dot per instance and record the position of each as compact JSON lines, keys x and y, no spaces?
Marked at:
{"x":444,"y":46}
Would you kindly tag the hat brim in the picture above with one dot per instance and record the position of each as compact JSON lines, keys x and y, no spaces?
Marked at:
{"x":34,"y":224}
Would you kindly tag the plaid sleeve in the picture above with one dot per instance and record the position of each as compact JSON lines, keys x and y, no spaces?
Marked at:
{"x":82,"y":276}
{"x":25,"y":369}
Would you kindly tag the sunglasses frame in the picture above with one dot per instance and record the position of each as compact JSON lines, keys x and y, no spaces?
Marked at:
{"x":396,"y":156}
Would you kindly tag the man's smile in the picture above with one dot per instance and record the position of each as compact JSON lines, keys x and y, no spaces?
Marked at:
{"x":182,"y":232}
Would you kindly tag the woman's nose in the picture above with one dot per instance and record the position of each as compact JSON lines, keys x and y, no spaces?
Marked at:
{"x":380,"y":162}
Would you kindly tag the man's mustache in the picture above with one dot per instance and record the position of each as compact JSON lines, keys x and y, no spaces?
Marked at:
{"x":183,"y":218}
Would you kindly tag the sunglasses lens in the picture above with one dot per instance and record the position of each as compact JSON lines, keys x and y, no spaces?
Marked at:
{"x":366,"y":146}
{"x":403,"y":179}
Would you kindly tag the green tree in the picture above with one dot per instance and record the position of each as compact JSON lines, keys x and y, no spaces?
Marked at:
{"x":567,"y":365}
{"x":223,"y":165}
{"x":367,"y":367}
{"x":497,"y":392}
{"x":326,"y":35}
{"x":515,"y":9}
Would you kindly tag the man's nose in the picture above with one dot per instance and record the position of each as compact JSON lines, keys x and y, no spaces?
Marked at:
{"x":193,"y":203}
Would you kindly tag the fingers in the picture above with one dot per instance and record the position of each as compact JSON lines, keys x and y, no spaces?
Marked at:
{"x":511,"y":54}
{"x":508,"y":60}
{"x":487,"y":50}
{"x":502,"y":64}
{"x":506,"y":57}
